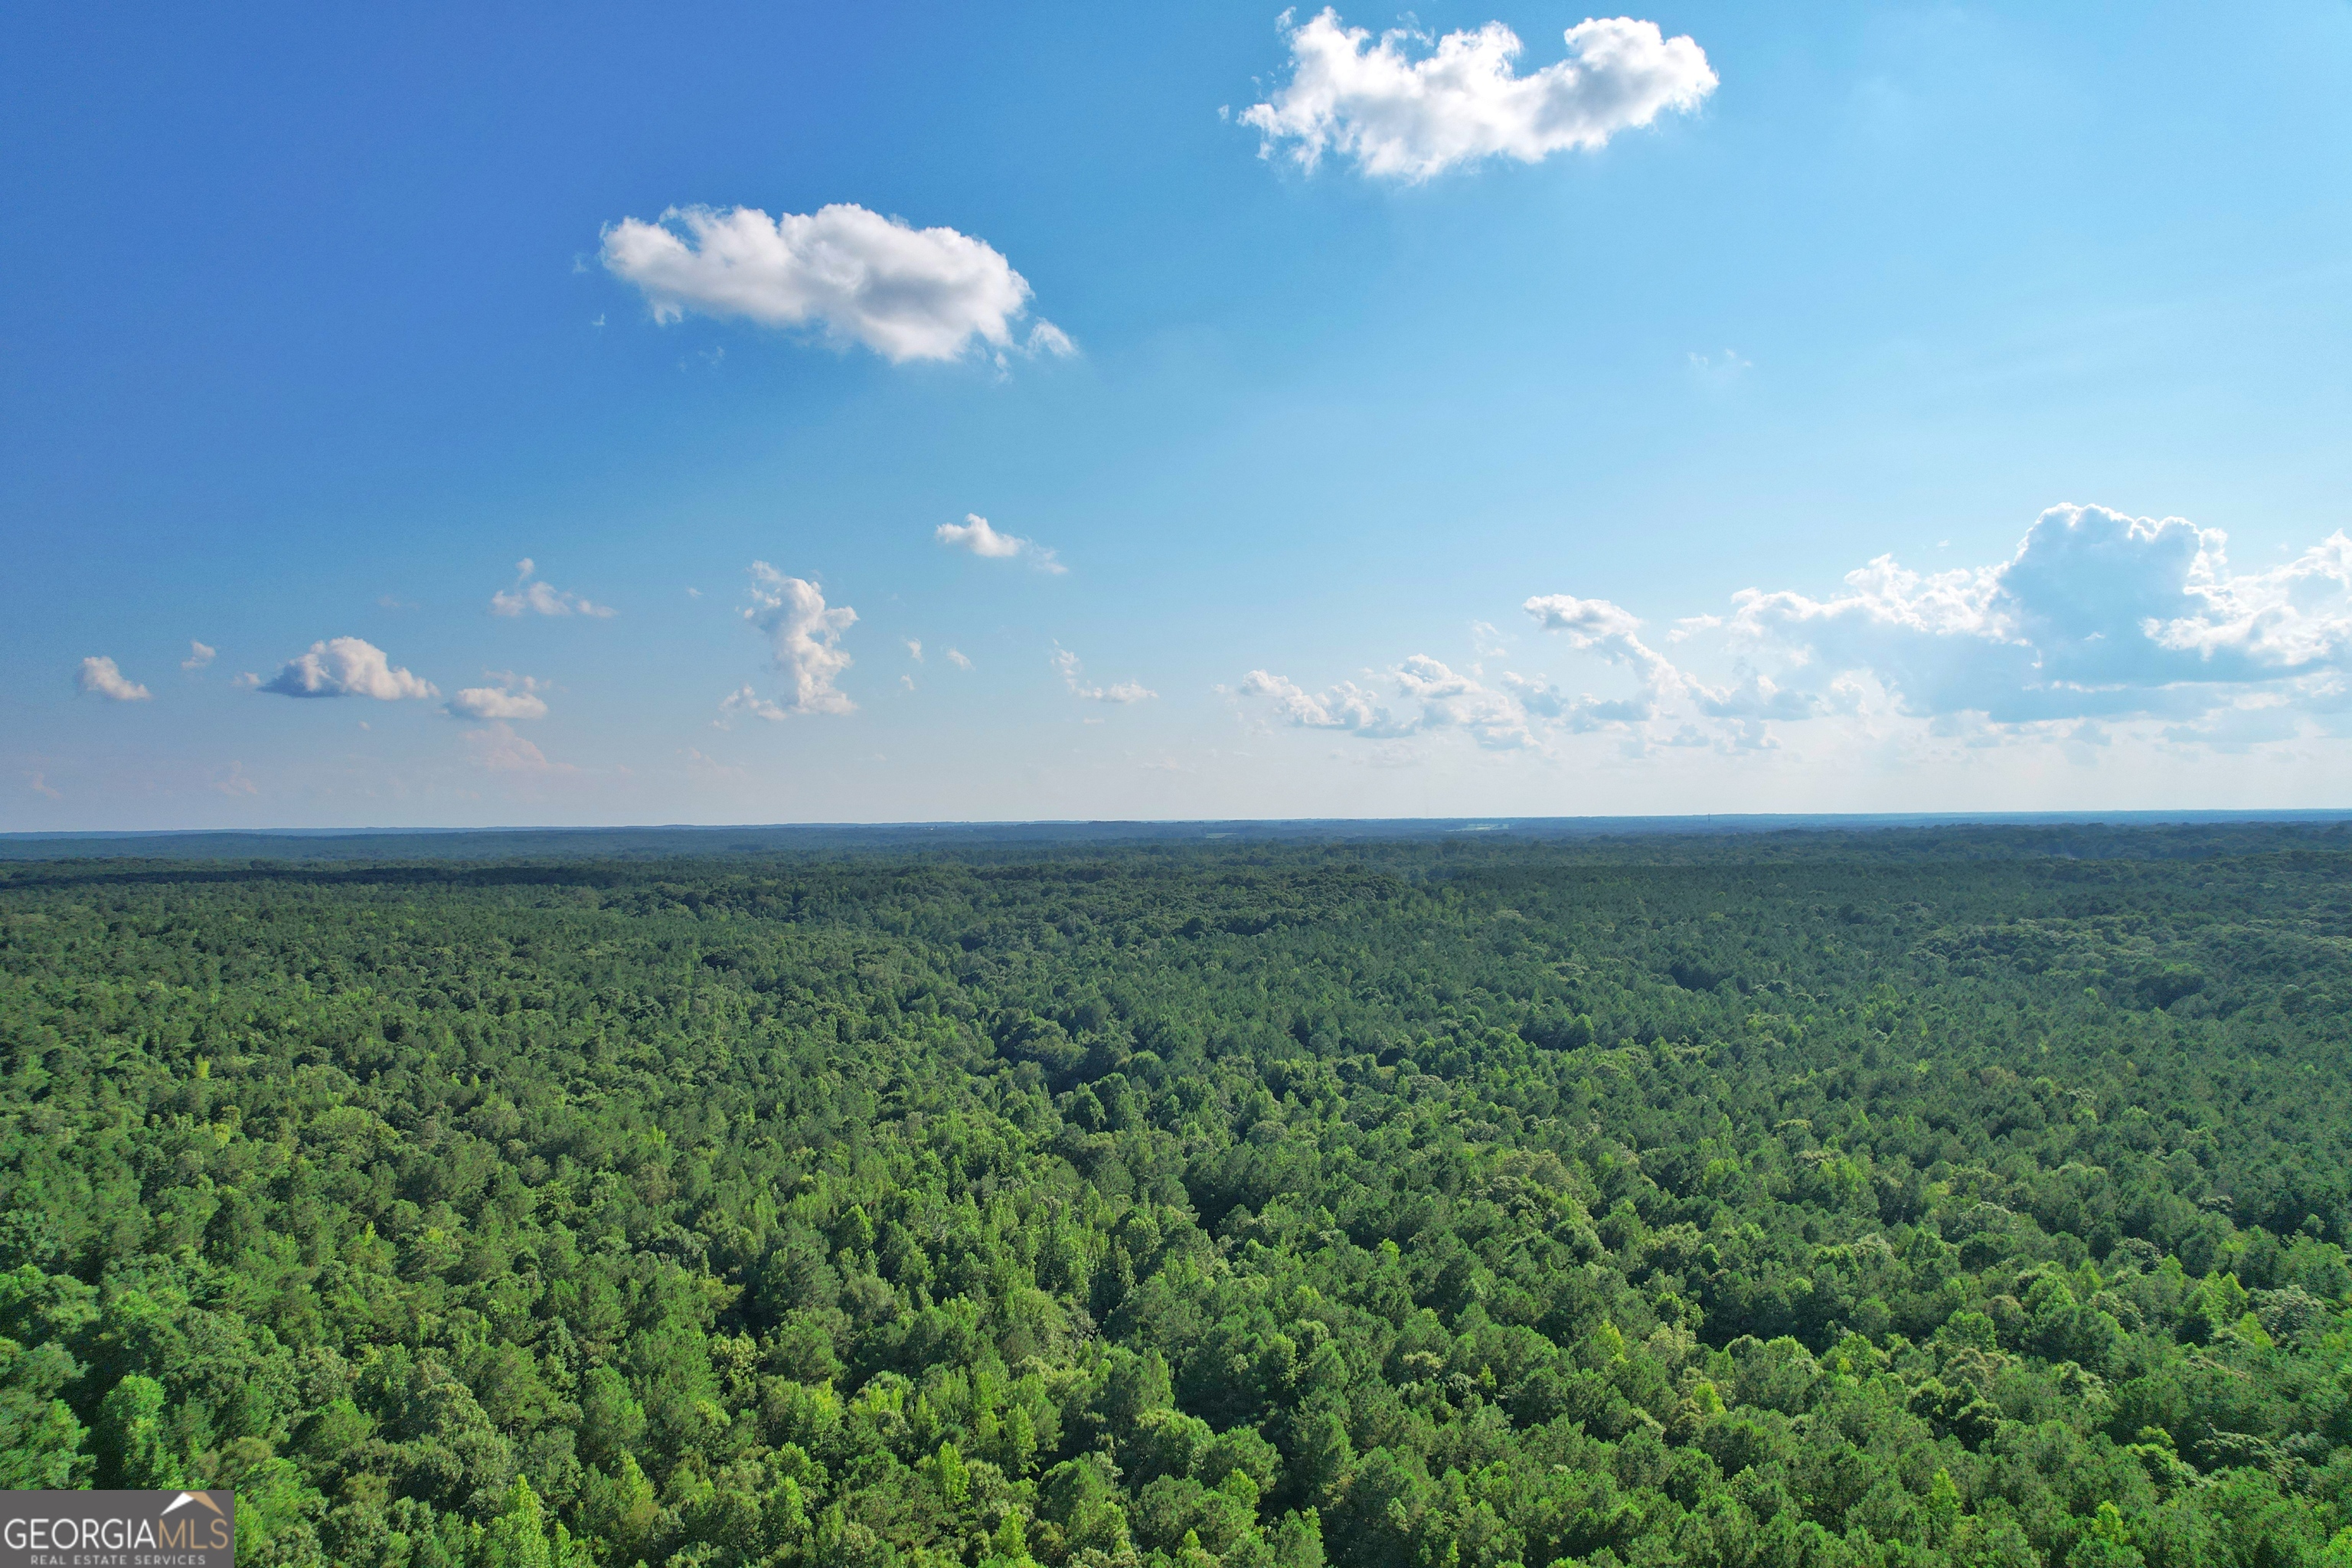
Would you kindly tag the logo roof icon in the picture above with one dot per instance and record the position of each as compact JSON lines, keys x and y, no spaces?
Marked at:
{"x":186,"y":1498}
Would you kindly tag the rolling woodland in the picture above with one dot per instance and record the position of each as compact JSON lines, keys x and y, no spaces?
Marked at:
{"x":1919,"y":1197}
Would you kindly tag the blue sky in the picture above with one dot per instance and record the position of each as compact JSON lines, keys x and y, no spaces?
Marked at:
{"x":1528,"y":450}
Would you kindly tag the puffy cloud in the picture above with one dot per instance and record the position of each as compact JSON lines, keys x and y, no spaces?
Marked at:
{"x":2097,"y":618}
{"x":956,"y":658}
{"x":1611,"y":633}
{"x":1496,"y":720}
{"x":1443,"y":699}
{"x":514,"y":697}
{"x":1125,"y":691}
{"x":346,"y":666}
{"x":806,"y":638}
{"x":974,"y":535}
{"x":530,"y":597}
{"x":1596,"y":626}
{"x":1521,"y":712}
{"x":904,"y":292}
{"x":1346,"y":706}
{"x":1408,"y":119}
{"x":199,"y":654}
{"x":914,"y":649}
{"x":101,"y":677}
{"x":1579,"y":715}
{"x":2096,"y":614}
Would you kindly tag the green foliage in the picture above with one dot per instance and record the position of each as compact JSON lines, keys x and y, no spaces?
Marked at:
{"x":1904,"y":1199}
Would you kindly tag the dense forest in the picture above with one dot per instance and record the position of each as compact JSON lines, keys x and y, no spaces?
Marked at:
{"x":1912,"y":1197}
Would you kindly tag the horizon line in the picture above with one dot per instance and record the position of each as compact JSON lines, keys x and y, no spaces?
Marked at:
{"x":1492,"y":822}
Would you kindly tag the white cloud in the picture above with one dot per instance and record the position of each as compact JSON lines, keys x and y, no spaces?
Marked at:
{"x":1579,"y":715}
{"x":40,"y":785}
{"x":1450,"y":701}
{"x":100,"y":678}
{"x":747,"y":700}
{"x":501,"y":750}
{"x":1445,"y":699}
{"x":1045,"y":338}
{"x":974,"y":535}
{"x":1521,"y":712}
{"x":806,"y":638}
{"x":914,"y":649}
{"x":1755,"y":697}
{"x":530,"y":597}
{"x":1408,"y":119}
{"x":514,"y":697}
{"x":199,"y":654}
{"x":346,"y":666}
{"x":956,"y":658}
{"x":1346,"y":706}
{"x":1611,"y":633}
{"x":2096,"y":614}
{"x":1124,"y":692}
{"x":904,"y":292}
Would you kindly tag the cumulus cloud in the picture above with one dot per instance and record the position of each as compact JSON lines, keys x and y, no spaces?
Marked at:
{"x":956,"y":658}
{"x":100,"y":678}
{"x":1611,"y":633}
{"x":199,"y":654}
{"x":1126,"y":691}
{"x":859,"y":278}
{"x":974,"y":535}
{"x":1523,"y":713}
{"x":1402,"y":118}
{"x":514,"y":697}
{"x":806,"y":638}
{"x":2097,"y":615}
{"x":530,"y":597}
{"x":346,"y":666}
{"x":1440,"y":698}
{"x":1450,"y":699}
{"x":1346,"y":706}
{"x":1578,"y":714}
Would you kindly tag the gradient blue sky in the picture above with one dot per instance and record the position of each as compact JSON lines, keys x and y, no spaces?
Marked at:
{"x":1530,"y":486}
